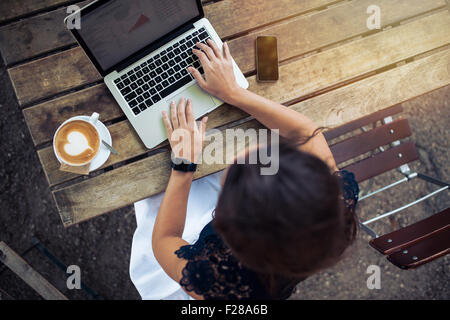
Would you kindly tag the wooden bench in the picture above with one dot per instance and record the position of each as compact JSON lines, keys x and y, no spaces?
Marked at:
{"x":416,"y":244}
{"x":332,"y":68}
{"x":30,"y":276}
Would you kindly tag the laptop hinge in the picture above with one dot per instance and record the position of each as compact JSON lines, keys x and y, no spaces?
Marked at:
{"x":154,"y":46}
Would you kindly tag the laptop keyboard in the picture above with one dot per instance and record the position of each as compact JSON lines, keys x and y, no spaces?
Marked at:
{"x":162,"y":74}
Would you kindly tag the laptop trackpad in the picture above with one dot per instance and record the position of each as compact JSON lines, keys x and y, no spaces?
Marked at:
{"x":202,"y":102}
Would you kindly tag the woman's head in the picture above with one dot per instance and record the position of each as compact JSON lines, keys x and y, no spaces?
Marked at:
{"x":293,"y":223}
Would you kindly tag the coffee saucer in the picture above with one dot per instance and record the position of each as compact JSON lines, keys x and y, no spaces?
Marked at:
{"x":103,"y":152}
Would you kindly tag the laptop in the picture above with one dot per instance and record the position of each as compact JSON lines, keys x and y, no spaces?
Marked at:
{"x":142,"y":49}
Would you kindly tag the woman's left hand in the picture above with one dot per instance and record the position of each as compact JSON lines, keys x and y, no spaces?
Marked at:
{"x":186,"y":137}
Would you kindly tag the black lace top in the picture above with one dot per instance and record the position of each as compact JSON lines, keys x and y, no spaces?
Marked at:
{"x":214,"y":273}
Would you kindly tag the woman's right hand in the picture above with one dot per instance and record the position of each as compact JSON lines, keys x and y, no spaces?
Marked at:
{"x":219,"y":77}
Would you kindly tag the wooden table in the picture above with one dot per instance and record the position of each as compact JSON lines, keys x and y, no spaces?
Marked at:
{"x":332,"y":68}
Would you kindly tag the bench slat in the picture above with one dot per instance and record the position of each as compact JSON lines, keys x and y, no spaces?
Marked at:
{"x":435,"y":246}
{"x":370,"y":140}
{"x":34,"y":36}
{"x":306,"y":87}
{"x":411,"y":234}
{"x":337,"y":106}
{"x":42,"y":78}
{"x":52,"y":75}
{"x":31,"y":277}
{"x":308,"y":33}
{"x":46,"y":32}
{"x":11,"y":9}
{"x":383,"y":162}
{"x":233,"y":17}
{"x":361,"y":57}
{"x":88,"y":199}
{"x":364,"y":121}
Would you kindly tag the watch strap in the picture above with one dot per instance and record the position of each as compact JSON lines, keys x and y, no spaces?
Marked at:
{"x":183,"y":165}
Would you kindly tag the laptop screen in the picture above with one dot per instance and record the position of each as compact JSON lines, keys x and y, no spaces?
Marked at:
{"x":119,"y":28}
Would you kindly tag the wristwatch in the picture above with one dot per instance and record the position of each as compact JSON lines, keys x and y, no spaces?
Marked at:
{"x":183,"y":165}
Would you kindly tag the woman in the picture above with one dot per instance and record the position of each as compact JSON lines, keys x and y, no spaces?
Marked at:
{"x":267,"y":233}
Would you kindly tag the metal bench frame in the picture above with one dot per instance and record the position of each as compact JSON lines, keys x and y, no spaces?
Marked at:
{"x":409,"y":175}
{"x":434,"y":240}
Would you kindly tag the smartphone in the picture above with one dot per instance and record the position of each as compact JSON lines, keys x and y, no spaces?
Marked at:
{"x":267,"y":59}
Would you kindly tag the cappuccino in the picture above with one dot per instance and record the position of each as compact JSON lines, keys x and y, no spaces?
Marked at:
{"x":77,"y":143}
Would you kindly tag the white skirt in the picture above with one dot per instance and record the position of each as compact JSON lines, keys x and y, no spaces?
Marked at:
{"x":146,"y":274}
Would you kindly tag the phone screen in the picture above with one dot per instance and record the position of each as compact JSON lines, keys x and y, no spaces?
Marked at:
{"x":267,"y":58}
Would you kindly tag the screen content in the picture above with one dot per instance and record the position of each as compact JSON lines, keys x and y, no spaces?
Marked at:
{"x":120,"y":28}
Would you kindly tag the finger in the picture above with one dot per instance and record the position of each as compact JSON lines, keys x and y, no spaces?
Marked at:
{"x":167,"y":124}
{"x":182,"y":113}
{"x":197,"y":75}
{"x":202,"y":128}
{"x":202,"y":56}
{"x":190,"y":114}
{"x":206,"y":49}
{"x":173,"y":116}
{"x":215,"y":48}
{"x":226,"y":51}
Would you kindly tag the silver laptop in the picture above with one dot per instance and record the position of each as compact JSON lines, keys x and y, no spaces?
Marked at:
{"x":142,"y":48}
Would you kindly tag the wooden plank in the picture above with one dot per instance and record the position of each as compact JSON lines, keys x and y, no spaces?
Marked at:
{"x":383,"y":161}
{"x":370,"y":140}
{"x":378,"y":92}
{"x":14,"y":9}
{"x":233,"y":17}
{"x":340,"y":63}
{"x":362,"y":122}
{"x":432,"y":247}
{"x":147,"y":177}
{"x":45,"y":33}
{"x":346,"y":56}
{"x":326,"y":27}
{"x":45,"y":118}
{"x":31,"y":82}
{"x":411,"y":234}
{"x":82,"y":102}
{"x":35,"y":36}
{"x":11,"y":9}
{"x":360,"y":57}
{"x":128,"y":144}
{"x":20,"y":267}
{"x":52,"y":75}
{"x":39,"y":129}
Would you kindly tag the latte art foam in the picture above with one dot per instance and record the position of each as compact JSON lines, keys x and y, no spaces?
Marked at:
{"x":77,"y":142}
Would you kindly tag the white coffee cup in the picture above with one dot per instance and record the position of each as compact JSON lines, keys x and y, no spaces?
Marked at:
{"x":92,"y":121}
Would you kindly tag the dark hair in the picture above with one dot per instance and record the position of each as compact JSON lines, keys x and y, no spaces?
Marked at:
{"x":293,"y":223}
